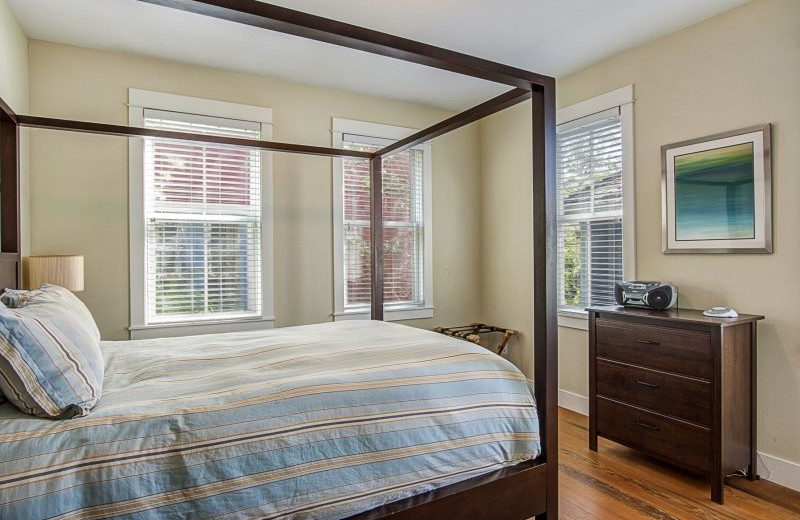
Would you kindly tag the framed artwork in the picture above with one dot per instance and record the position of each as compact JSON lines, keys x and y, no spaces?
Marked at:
{"x":716,"y":193}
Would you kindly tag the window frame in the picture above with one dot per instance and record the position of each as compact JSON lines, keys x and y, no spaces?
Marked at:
{"x":621,"y":98}
{"x":138,"y":101}
{"x":340,"y":127}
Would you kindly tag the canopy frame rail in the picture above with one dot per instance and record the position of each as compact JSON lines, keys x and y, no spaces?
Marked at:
{"x":297,"y":23}
{"x":132,"y":131}
{"x":476,"y":113}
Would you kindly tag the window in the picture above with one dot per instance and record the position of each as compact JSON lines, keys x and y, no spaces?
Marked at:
{"x":595,"y":201}
{"x":199,"y":213}
{"x":406,"y":219}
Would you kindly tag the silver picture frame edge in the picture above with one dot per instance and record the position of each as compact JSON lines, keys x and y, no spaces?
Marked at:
{"x":766,"y":128}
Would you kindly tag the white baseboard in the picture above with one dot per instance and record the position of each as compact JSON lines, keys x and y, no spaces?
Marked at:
{"x":775,"y":469}
{"x":571,"y":401}
{"x":778,"y":470}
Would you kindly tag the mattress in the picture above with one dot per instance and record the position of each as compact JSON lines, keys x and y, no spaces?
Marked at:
{"x":318,"y":421}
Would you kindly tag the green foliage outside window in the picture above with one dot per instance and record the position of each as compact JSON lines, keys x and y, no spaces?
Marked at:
{"x":572,"y":267}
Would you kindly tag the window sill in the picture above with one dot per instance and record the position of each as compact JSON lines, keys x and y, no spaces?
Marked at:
{"x":388,"y":315}
{"x":573,"y":320}
{"x":168,"y":330}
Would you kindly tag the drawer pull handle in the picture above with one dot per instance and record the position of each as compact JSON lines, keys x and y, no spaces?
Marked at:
{"x":648,"y":385}
{"x":647,"y":342}
{"x":648,"y":426}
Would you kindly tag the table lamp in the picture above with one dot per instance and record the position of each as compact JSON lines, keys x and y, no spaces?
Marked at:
{"x":63,"y":270}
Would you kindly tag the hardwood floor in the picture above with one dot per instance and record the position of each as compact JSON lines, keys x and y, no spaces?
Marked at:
{"x":617,"y":482}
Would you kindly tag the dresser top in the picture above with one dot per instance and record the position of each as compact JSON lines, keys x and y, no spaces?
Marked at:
{"x":677,"y":315}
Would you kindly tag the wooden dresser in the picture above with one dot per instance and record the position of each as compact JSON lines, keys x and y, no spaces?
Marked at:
{"x":675,"y":385}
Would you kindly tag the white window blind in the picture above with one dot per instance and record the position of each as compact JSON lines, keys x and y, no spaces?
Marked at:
{"x":403,"y":220}
{"x":590,"y":202}
{"x":202,"y":214}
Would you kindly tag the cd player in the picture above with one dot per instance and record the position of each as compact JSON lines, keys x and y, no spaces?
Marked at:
{"x":650,"y":295}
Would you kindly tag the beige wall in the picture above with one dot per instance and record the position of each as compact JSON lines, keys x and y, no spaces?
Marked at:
{"x":81,"y":194}
{"x":738,"y":69}
{"x":506,"y":228}
{"x":14,"y":91}
{"x":13,"y":61}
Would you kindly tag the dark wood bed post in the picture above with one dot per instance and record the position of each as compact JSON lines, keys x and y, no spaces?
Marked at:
{"x":376,"y":236}
{"x":545,"y":332}
{"x":9,"y":198}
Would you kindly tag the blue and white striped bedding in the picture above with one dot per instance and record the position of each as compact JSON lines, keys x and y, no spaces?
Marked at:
{"x":319,"y":421}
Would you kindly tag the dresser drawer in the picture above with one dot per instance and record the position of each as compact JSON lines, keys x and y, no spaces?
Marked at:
{"x":662,"y":348}
{"x":682,"y":397}
{"x":675,"y":441}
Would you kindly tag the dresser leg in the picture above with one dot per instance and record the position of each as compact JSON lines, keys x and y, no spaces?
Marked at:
{"x":718,"y":488}
{"x":592,"y":421}
{"x":752,"y":471}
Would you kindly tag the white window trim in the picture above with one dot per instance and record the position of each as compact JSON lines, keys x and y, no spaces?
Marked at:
{"x":349,"y":126}
{"x":622,"y":98}
{"x":138,"y":100}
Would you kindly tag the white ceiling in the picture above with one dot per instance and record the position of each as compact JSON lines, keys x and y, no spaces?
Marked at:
{"x":553,"y":37}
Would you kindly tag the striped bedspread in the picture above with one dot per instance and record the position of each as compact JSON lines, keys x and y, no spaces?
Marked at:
{"x":319,"y":421}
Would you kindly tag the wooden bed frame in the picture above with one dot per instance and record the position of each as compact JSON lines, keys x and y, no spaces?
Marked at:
{"x":514,"y":493}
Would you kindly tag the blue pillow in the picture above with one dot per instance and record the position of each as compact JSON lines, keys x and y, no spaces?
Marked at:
{"x":51,"y":296}
{"x":50,"y":363}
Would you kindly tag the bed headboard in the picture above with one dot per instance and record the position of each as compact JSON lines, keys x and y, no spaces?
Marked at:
{"x":9,"y":199}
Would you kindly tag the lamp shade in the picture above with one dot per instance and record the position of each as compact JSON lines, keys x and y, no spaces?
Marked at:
{"x":63,"y":270}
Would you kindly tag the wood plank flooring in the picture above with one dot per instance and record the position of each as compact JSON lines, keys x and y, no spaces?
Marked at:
{"x":618,"y":483}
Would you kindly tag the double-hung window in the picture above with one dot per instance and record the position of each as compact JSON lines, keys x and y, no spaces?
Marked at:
{"x":200,"y":221}
{"x":594,"y":200}
{"x":406,"y":221}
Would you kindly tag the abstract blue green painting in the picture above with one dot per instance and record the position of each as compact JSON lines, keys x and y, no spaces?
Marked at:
{"x":715,"y":194}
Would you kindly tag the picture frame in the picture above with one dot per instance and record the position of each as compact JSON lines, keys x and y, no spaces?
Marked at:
{"x":717,"y":193}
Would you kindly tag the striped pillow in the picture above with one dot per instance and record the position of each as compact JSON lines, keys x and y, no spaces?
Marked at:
{"x":52,"y":296}
{"x":50,"y":364}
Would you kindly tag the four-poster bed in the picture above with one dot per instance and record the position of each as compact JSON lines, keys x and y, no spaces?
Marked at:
{"x":516,"y":492}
